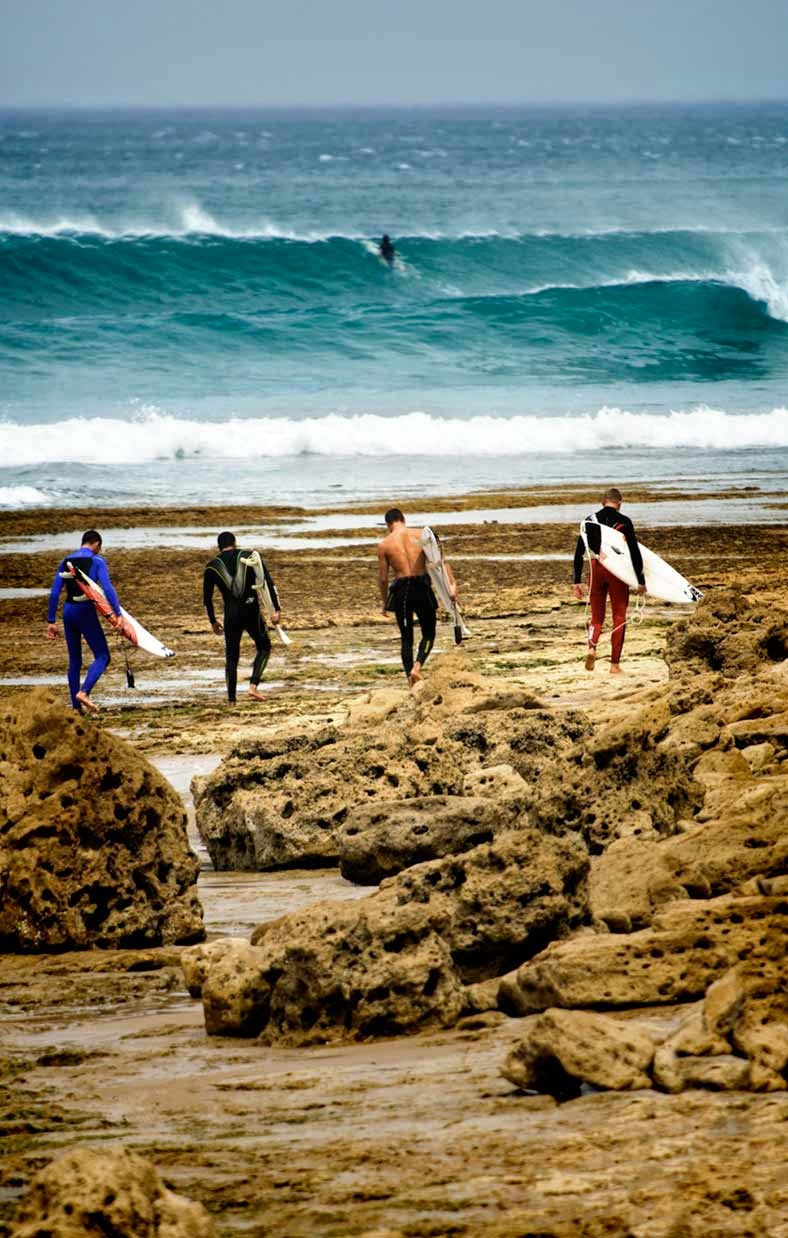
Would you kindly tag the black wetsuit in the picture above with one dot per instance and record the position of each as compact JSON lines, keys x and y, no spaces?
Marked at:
{"x":409,"y":596}
{"x":387,"y":250}
{"x":235,"y":582}
{"x":614,"y":520}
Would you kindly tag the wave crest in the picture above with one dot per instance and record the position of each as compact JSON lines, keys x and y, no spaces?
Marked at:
{"x":159,"y":436}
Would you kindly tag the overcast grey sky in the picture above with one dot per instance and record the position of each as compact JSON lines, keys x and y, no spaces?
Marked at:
{"x":160,"y":52}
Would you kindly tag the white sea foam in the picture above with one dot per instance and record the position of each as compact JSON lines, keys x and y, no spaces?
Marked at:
{"x":760,"y":283}
{"x":22,"y":496}
{"x":158,"y":436}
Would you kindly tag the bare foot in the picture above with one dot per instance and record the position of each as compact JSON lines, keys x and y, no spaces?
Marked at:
{"x":255,"y":693}
{"x":615,"y":669}
{"x":86,"y":703}
{"x":415,"y":675}
{"x":590,"y":659}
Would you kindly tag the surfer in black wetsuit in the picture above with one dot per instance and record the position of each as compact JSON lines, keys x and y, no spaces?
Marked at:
{"x":604,"y":584}
{"x":411,"y":593}
{"x":235,"y":581}
{"x":386,"y":249}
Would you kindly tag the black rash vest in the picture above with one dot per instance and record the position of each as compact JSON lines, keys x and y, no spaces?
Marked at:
{"x":234,"y":581}
{"x":614,"y":520}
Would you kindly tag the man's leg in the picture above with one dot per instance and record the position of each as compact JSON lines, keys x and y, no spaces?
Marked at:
{"x":426,"y":615}
{"x":232,"y":651}
{"x":73,"y":635}
{"x":94,"y":635}
{"x":619,"y":600}
{"x":259,"y":634}
{"x":403,"y":611}
{"x":597,"y":596}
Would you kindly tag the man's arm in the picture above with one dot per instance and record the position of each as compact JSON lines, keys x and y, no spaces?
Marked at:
{"x":208,"y":584}
{"x":383,"y":576}
{"x":634,"y":551}
{"x":54,"y":600}
{"x":102,"y":578}
{"x":577,"y":567}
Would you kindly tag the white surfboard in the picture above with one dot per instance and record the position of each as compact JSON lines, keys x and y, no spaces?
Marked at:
{"x":265,"y":601}
{"x":439,"y":577}
{"x":662,"y":581}
{"x":127,"y":625}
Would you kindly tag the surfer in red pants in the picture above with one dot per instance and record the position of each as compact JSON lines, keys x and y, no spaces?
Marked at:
{"x":602,"y":583}
{"x":80,"y":621}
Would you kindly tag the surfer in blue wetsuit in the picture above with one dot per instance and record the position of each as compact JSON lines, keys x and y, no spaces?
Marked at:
{"x":236,"y":581}
{"x":410,"y":594}
{"x":386,"y":249}
{"x":80,"y":618}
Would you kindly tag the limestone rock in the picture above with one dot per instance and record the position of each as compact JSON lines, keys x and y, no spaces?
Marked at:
{"x":382,"y":838}
{"x":93,"y":844}
{"x":688,"y":945}
{"x":495,"y":781}
{"x":194,"y":960}
{"x":282,"y":802}
{"x":623,"y":782}
{"x":727,"y":633}
{"x":399,"y":960}
{"x":722,"y":1073}
{"x":108,"y":1191}
{"x":561,"y":1049}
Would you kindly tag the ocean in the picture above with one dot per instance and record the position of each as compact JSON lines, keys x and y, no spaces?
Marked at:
{"x":193,"y":310}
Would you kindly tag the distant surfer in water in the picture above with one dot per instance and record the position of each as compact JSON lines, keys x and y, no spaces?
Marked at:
{"x":602,"y":582}
{"x":410,"y":593}
{"x":236,"y":583}
{"x":80,"y":618}
{"x":386,"y":249}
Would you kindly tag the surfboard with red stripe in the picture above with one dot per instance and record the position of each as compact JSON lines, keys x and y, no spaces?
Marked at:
{"x":127,"y":625}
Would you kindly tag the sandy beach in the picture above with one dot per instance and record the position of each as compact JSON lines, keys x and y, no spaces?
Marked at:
{"x":416,"y":1135}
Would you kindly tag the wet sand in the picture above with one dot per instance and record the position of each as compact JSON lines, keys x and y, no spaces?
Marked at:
{"x":416,"y":1136}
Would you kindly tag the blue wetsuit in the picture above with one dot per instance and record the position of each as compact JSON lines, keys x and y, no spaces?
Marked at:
{"x":80,"y":618}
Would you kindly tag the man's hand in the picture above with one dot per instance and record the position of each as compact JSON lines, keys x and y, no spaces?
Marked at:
{"x":276,"y":616}
{"x":578,"y":591}
{"x":53,"y":631}
{"x":216,"y":627}
{"x":641,"y":588}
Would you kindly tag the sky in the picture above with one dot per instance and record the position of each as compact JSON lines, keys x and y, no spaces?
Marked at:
{"x":326,"y":52}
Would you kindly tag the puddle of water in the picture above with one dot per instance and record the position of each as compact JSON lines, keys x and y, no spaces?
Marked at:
{"x":9,"y":593}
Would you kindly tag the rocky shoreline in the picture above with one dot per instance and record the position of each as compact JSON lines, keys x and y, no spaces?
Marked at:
{"x":553,"y":1001}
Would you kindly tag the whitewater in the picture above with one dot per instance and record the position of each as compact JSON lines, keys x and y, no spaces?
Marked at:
{"x":192,"y":304}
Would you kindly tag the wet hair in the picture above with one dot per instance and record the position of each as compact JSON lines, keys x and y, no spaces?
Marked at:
{"x":612,"y":495}
{"x":91,"y":538}
{"x":225,"y":540}
{"x":393,"y":515}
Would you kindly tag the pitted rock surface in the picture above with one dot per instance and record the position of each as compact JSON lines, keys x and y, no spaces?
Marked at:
{"x":107,"y":1191}
{"x":93,"y":845}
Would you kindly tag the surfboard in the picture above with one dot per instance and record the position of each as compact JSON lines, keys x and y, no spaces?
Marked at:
{"x":264,"y":599}
{"x":127,"y":625}
{"x":663,"y":582}
{"x":439,"y":577}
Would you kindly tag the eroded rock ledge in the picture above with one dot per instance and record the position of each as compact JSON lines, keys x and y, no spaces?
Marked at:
{"x":641,"y":863}
{"x":93,"y":845}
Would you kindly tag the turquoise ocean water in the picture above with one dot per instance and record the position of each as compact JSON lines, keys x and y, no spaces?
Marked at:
{"x":192,"y":308}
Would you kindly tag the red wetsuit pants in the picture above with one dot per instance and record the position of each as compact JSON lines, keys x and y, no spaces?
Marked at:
{"x":602,"y":584}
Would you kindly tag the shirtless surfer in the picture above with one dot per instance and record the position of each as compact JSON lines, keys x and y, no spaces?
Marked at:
{"x":410,"y":593}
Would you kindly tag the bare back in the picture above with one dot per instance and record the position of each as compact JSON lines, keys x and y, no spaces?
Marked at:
{"x":401,"y":552}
